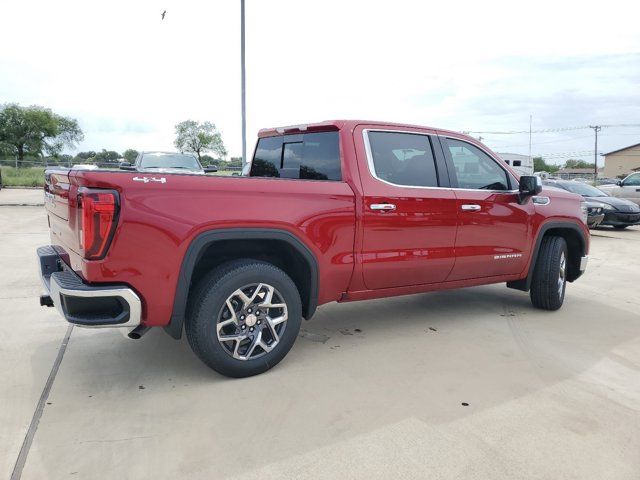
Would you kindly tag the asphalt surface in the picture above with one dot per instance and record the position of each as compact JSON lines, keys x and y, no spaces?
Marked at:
{"x":472,"y":383}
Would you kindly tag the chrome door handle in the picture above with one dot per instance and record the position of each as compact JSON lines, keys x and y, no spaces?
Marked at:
{"x":382,"y":206}
{"x":471,"y":207}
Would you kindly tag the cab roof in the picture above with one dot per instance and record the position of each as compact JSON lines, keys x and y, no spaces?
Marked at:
{"x":334,"y":125}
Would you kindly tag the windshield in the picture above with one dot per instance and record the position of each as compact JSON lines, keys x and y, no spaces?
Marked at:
{"x":583,"y":189}
{"x":169,"y":160}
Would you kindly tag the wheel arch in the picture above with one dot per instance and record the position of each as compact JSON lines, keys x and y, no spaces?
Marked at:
{"x":214,"y":247}
{"x":576,"y":245}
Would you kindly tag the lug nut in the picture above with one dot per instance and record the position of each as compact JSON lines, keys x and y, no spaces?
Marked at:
{"x":241,"y":317}
{"x":243,"y":327}
{"x":257,"y":312}
{"x":259,"y":322}
{"x":248,"y":310}
{"x":251,"y":329}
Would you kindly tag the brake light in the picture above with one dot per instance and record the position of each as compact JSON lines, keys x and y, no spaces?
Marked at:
{"x":99,"y":216}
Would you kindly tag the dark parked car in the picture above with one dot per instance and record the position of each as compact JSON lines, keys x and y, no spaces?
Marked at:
{"x":618,"y":212}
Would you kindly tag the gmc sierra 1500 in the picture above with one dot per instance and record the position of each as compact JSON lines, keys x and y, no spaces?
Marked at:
{"x":331,"y":211}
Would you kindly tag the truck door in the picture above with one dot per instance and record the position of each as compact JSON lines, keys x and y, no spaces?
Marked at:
{"x":409,"y":217}
{"x":493,"y":229}
{"x":629,"y":188}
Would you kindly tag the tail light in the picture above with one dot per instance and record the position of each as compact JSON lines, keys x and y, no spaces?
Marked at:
{"x":98,"y":219}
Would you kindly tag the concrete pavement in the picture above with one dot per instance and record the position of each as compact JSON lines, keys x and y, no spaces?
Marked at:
{"x":21,"y":197}
{"x":370,"y":390}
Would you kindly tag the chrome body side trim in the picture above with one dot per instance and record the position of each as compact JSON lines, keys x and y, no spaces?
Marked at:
{"x":372,"y":168}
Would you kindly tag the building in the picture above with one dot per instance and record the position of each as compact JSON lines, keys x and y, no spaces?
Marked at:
{"x":520,"y":163}
{"x":622,"y":162}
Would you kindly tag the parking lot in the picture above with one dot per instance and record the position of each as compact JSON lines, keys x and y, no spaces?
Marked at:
{"x":472,"y":383}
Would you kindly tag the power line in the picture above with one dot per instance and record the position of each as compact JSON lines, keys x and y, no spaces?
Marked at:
{"x":549,"y":130}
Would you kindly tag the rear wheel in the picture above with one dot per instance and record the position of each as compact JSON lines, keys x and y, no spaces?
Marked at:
{"x":550,"y":274}
{"x":244,"y":317}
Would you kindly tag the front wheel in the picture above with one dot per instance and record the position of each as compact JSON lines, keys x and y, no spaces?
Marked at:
{"x":244,"y":317}
{"x":620,"y":227}
{"x":550,"y":274}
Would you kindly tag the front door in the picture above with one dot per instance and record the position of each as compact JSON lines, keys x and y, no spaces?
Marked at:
{"x":409,"y":217}
{"x":629,"y":189}
{"x":493,"y":231}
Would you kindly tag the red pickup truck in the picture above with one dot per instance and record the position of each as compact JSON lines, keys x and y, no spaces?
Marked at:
{"x":332,"y":211}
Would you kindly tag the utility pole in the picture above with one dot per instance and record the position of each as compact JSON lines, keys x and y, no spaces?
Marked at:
{"x":530,"y":120}
{"x":596,"y":129}
{"x":243,"y":89}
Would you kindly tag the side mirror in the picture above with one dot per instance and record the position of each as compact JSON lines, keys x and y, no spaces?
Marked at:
{"x":529,"y":186}
{"x":126,"y":166}
{"x":619,"y":183}
{"x":210,"y":169}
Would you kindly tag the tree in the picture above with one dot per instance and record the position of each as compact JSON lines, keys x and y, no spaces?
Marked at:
{"x":34,"y":130}
{"x":86,"y":156}
{"x":539,"y":165}
{"x":199,"y":138}
{"x":235,"y":162}
{"x":572,"y":163}
{"x":106,"y":156}
{"x":130,"y":155}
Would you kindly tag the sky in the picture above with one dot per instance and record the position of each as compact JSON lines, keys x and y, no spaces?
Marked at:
{"x":129,"y":77}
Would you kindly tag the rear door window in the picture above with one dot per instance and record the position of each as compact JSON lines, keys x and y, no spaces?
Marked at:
{"x":404,"y":159}
{"x":308,"y":156}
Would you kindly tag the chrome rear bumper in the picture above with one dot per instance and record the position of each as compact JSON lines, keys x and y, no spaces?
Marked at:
{"x":86,"y":305}
{"x":583,"y":263}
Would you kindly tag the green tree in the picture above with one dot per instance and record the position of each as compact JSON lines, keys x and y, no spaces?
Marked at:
{"x":106,"y":156}
{"x":235,"y":162}
{"x":130,"y":155}
{"x":199,"y":138}
{"x":539,"y":165}
{"x":572,"y":163}
{"x":35,"y":130}
{"x":84,"y":157}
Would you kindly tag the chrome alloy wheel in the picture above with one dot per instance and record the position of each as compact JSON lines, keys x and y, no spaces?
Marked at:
{"x":562,"y":274}
{"x":252,"y":321}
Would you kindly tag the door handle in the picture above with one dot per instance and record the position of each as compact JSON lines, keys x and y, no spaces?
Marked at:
{"x":382,"y":206}
{"x":471,"y":207}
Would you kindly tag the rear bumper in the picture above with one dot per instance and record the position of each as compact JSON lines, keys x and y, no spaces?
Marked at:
{"x":86,"y":305}
{"x":583,"y":263}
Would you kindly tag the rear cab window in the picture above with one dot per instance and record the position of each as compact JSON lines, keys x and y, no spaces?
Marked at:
{"x":307,"y":156}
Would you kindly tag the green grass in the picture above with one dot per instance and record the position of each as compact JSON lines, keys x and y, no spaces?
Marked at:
{"x":22,"y":177}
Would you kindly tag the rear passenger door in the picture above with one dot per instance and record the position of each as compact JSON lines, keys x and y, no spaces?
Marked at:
{"x":409,"y":212}
{"x":493,"y":228}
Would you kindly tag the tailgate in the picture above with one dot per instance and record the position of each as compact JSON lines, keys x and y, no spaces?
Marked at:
{"x":61,"y":205}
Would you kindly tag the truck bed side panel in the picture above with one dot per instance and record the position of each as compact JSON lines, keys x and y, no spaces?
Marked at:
{"x":159,"y":220}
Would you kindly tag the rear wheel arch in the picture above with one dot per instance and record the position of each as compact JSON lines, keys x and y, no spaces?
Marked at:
{"x":212,"y":248}
{"x":576,"y":246}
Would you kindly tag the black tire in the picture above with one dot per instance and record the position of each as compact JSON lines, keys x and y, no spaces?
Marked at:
{"x":546,"y":292}
{"x":620,"y":227}
{"x":207,"y":303}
